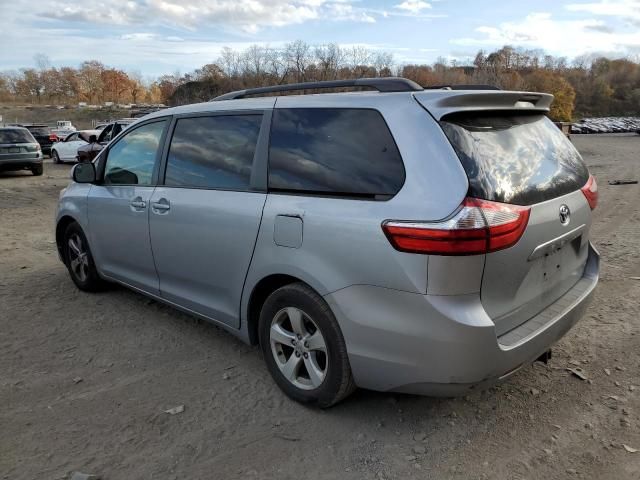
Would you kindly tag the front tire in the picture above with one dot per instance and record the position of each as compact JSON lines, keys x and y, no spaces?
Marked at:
{"x":79,"y":261}
{"x":55,"y":157}
{"x":304,"y":348}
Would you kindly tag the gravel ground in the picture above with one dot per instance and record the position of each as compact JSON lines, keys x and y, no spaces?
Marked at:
{"x":85,"y":379}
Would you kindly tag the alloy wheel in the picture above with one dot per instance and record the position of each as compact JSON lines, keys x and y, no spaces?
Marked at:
{"x":298,"y":348}
{"x":78,"y":257}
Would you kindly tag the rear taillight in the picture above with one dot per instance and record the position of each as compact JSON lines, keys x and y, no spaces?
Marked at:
{"x":590,"y":191}
{"x":53,"y":137}
{"x":480,"y":226}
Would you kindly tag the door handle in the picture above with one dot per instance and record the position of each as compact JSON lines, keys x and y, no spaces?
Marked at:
{"x":138,"y":203}
{"x":161,"y":206}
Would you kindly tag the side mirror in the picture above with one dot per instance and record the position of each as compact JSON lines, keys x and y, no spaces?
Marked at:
{"x":83,"y":173}
{"x":93,"y":139}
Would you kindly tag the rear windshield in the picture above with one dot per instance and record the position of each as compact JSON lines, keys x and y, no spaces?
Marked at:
{"x":44,"y":131}
{"x":16,"y":136}
{"x":517,"y":159}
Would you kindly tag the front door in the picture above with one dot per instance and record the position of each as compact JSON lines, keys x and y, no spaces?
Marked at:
{"x":119,"y":208}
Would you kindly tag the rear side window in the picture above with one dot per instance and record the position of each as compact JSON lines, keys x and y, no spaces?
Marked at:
{"x":337,"y":151}
{"x":213,"y":152}
{"x":517,"y":159}
{"x":16,"y":135}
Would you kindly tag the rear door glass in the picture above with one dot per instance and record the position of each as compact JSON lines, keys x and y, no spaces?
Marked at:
{"x":335,"y":151}
{"x":213,"y":152}
{"x":518,"y":159}
{"x":16,"y":136}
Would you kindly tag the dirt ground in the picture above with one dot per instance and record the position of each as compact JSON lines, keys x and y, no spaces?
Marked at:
{"x":85,"y":379}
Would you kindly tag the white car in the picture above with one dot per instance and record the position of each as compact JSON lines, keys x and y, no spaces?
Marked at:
{"x":67,"y":149}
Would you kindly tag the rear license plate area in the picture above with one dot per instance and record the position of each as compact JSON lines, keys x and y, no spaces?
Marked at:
{"x":14,"y":150}
{"x":562,"y":257}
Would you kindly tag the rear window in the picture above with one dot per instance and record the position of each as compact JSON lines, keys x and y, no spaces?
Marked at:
{"x":44,"y":131}
{"x":16,"y":136}
{"x":333,"y":151}
{"x":517,"y":159}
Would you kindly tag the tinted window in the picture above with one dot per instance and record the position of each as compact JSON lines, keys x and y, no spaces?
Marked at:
{"x":131,"y":160}
{"x":335,"y":151}
{"x":519,"y":159}
{"x":213,"y":152}
{"x":16,"y":135}
{"x":72,"y":138}
{"x":105,"y":136}
{"x":43,"y":131}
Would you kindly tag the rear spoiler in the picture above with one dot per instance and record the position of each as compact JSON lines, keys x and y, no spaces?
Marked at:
{"x":443,"y":102}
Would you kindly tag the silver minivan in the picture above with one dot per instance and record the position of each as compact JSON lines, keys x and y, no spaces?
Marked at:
{"x":399,"y":239}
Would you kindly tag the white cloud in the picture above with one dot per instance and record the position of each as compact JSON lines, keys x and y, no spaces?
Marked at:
{"x":616,"y":8}
{"x":413,"y":6}
{"x":139,"y":36}
{"x":247,"y":15}
{"x":564,"y":37}
{"x":626,"y":10}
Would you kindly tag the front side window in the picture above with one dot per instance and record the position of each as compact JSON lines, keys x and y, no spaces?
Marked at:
{"x":213,"y":152}
{"x":72,"y":138}
{"x":335,"y":151}
{"x":131,"y":160}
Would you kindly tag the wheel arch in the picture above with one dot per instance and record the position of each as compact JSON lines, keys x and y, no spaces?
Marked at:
{"x":61,"y":226}
{"x":259,"y":293}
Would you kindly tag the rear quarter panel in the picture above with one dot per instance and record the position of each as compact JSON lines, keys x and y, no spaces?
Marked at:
{"x":343,"y":242}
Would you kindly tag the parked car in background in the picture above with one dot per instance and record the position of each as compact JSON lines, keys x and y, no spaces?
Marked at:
{"x":44,"y":136}
{"x":407,"y":240}
{"x":63,"y":128}
{"x":19,"y":150}
{"x":67,"y":149}
{"x":87,"y":153}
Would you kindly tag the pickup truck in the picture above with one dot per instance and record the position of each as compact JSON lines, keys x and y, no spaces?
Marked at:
{"x":63,"y":128}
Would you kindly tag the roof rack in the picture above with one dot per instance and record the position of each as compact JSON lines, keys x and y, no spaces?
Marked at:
{"x":386,"y":84}
{"x":462,"y":87}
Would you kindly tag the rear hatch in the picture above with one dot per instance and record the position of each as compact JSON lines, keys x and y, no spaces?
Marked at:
{"x":523,"y":159}
{"x":17,"y":144}
{"x":43,"y":135}
{"x":518,"y":156}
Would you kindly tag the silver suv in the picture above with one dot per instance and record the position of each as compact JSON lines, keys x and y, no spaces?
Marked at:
{"x":404,"y":239}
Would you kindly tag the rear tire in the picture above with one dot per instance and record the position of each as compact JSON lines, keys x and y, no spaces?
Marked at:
{"x":37,"y":170}
{"x":55,"y":157}
{"x":79,"y":261}
{"x":304,"y":348}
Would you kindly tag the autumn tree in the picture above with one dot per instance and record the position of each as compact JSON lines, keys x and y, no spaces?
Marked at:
{"x":90,"y":80}
{"x":550,"y":82}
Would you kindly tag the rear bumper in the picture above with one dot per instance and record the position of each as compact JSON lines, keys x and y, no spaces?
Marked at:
{"x":445,"y":345}
{"x":19,"y":163}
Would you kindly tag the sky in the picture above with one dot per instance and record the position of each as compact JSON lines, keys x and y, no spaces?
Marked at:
{"x":166,"y":36}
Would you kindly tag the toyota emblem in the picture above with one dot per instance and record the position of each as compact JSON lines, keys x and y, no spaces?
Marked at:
{"x":565,"y":215}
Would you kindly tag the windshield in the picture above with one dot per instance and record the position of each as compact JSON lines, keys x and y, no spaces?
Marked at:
{"x":520,"y":159}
